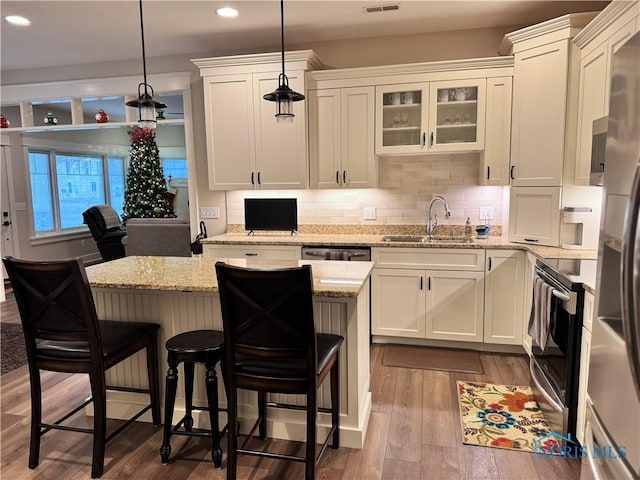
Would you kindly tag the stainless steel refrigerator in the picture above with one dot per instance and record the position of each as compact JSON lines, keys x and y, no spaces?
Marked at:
{"x":612,"y":433}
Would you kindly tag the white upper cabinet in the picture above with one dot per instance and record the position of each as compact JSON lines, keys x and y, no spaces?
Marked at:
{"x":456,"y":116}
{"x":247,"y":148}
{"x":442,"y":116}
{"x":539,"y":107}
{"x":494,"y":165}
{"x":597,"y":43}
{"x":534,"y":215}
{"x":341,"y":138}
{"x":401,"y":118}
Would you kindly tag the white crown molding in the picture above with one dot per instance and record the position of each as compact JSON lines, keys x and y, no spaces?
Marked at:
{"x":605,"y":19}
{"x":307,"y":57}
{"x":412,"y":68}
{"x":28,"y":92}
{"x":566,"y":22}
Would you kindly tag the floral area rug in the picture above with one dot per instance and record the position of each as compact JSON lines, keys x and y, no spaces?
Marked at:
{"x":503,"y":416}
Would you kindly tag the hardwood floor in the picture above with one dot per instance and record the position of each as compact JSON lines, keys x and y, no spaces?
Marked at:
{"x":414,"y":433}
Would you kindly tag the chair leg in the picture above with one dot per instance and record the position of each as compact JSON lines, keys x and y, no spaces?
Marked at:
{"x":310,"y":453}
{"x":212,"y":397}
{"x":154,"y":376}
{"x":262,"y":412}
{"x":169,"y":403}
{"x":335,"y":401}
{"x":36,"y":417}
{"x":188,"y":395}
{"x":232,"y":434}
{"x":99,"y":393}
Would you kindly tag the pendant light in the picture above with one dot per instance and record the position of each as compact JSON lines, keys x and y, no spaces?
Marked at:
{"x":145,"y":103}
{"x":283,"y":95}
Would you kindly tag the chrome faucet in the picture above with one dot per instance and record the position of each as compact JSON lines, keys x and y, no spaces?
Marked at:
{"x":431,"y":225}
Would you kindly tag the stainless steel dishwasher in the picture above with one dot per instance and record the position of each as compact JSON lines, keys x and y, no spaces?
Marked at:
{"x":350,"y":254}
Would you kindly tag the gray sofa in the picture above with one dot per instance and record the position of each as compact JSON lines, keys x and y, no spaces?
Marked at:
{"x":169,"y":237}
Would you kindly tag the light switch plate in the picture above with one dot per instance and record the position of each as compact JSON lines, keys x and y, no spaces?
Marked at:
{"x":369,"y":213}
{"x":209,"y":212}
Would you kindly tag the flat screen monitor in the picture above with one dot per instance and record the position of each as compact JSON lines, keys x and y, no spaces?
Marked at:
{"x":270,"y":214}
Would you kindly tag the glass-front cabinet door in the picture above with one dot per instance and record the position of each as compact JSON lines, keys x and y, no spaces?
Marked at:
{"x":456,"y":118}
{"x":401,"y":118}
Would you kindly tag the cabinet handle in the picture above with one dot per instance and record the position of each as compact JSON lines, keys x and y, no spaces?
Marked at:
{"x":337,"y":177}
{"x":512,"y":173}
{"x":489,"y":264}
{"x":531,"y":240}
{"x":424,"y":138}
{"x":429,"y":284}
{"x":259,"y":182}
{"x":421,"y":283}
{"x":251,"y":254}
{"x":488,"y":172}
{"x":252,"y":182}
{"x":344,"y":177}
{"x":431,"y":140}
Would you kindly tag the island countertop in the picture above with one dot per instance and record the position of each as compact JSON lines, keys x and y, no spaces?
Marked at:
{"x":197,"y":274}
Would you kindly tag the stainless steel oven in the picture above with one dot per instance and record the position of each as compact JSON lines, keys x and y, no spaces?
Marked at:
{"x":555,"y":366}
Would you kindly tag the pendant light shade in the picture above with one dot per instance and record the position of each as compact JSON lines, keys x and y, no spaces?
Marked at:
{"x":283,"y":95}
{"x":145,"y":103}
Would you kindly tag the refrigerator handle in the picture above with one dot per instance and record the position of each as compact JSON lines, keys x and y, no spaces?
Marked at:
{"x":630,"y":273}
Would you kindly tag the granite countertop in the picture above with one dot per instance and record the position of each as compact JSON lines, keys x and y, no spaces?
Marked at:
{"x":371,"y":240}
{"x":197,"y":274}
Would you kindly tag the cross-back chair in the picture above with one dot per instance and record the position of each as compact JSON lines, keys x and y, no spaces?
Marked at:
{"x":271,"y":345}
{"x":63,"y":334}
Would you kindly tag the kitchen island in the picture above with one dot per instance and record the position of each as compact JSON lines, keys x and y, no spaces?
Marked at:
{"x":181,"y":294}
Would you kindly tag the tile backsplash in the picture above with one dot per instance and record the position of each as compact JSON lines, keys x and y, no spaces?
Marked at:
{"x":406,"y":186}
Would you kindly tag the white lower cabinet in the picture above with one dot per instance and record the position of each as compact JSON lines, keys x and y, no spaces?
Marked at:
{"x":284,"y":252}
{"x":503,"y":307}
{"x":411,"y":298}
{"x":585,"y":352}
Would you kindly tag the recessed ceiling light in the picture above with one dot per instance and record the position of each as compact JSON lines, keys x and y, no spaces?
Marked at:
{"x":227,"y":12}
{"x":17,"y":20}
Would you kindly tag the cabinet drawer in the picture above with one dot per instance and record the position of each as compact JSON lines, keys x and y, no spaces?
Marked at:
{"x":435,"y":258}
{"x":240,"y":251}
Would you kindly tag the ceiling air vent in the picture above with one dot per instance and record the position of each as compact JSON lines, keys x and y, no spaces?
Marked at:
{"x":382,"y":8}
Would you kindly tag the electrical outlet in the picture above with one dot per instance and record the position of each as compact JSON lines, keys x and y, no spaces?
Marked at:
{"x":369,"y":213}
{"x":486,"y":213}
{"x":209,"y":212}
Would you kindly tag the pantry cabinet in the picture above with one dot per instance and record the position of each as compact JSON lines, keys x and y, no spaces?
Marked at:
{"x":341,"y":138}
{"x":597,"y":42}
{"x":435,"y":294}
{"x":247,"y":148}
{"x":439,"y":116}
{"x":504,"y":288}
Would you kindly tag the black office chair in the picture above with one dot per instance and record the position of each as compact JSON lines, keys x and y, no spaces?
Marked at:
{"x":270,"y":345}
{"x":63,"y":334}
{"x":106,"y":228}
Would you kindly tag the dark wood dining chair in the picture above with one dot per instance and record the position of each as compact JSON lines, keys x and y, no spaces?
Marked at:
{"x":271,"y":346}
{"x":63,"y":334}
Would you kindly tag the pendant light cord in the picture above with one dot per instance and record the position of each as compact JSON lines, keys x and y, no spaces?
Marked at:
{"x":144,"y":56}
{"x":281,"y":33}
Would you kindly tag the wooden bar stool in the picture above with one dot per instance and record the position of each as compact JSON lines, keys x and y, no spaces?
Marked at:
{"x":197,"y":346}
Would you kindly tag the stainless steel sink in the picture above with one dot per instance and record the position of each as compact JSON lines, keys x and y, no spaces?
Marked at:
{"x":422,"y":239}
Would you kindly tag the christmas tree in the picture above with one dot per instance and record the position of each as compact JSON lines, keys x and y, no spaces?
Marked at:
{"x":146,"y":191}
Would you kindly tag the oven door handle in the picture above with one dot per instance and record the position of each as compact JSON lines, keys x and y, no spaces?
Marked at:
{"x":561,"y":295}
{"x":534,"y":376}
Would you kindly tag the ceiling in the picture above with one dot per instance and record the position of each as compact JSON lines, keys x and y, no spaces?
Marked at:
{"x":78,"y":32}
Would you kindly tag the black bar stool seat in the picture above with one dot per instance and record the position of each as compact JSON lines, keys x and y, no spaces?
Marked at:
{"x":189,"y":348}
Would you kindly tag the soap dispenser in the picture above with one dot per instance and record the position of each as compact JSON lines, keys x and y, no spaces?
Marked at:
{"x":468,"y":231}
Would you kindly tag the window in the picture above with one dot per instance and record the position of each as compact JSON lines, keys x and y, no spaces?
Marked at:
{"x":63,"y":185}
{"x":174,"y":167}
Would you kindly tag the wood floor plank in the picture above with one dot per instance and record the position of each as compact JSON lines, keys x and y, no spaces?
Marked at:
{"x":383,"y":387}
{"x":513,"y":465}
{"x":400,"y":469}
{"x":439,"y":462}
{"x":477,"y":462}
{"x":367,"y":464}
{"x":405,"y":433}
{"x":440,"y":410}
